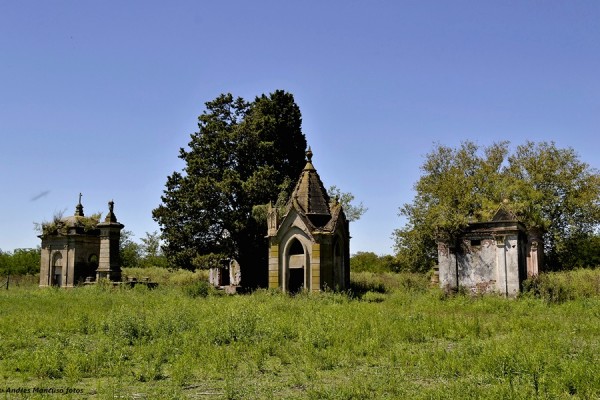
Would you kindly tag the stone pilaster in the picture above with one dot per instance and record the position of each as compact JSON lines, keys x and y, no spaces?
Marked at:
{"x":315,"y":268}
{"x":274,"y":266}
{"x":108,"y":260}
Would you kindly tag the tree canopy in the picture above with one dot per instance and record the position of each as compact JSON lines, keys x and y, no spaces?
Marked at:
{"x":244,"y":154}
{"x":20,"y":262}
{"x":546,"y":187}
{"x":368,"y":261}
{"x":353,"y":211}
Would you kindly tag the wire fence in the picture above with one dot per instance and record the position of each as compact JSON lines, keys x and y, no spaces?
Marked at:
{"x":10,"y":281}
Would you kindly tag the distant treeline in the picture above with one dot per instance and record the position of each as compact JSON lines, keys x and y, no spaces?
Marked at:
{"x":366,"y":261}
{"x":20,"y":262}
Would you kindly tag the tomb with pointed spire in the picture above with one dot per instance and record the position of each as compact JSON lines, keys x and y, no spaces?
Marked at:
{"x":309,"y":245}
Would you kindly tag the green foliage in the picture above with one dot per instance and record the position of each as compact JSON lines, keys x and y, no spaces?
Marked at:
{"x":400,"y":341}
{"x":553,"y":190}
{"x":147,"y":254}
{"x":243,"y":155}
{"x":198,"y":289}
{"x":151,"y":244}
{"x":207,"y":261}
{"x":353,"y":211}
{"x":60,"y":225}
{"x":559,"y":287}
{"x":169,"y":277}
{"x":151,"y":253}
{"x":580,"y":251}
{"x":547,"y":188}
{"x":20,"y":262}
{"x":386,"y":282}
{"x":368,"y":261}
{"x":130,"y":252}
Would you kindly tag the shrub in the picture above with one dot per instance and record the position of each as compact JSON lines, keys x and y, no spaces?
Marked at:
{"x":198,"y":289}
{"x":363,"y":282}
{"x":558,"y":287}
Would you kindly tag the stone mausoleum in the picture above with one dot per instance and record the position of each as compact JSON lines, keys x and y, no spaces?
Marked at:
{"x":495,"y":256}
{"x":76,"y":249}
{"x":227,"y":276}
{"x":309,"y":245}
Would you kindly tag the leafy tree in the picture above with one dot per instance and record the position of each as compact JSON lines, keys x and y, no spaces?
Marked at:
{"x":151,"y":244}
{"x":556,"y":192}
{"x":545,"y":187}
{"x":20,"y":262}
{"x":151,"y":253}
{"x":5,"y":265}
{"x":371,"y":262}
{"x":130,"y":252}
{"x":353,"y":212}
{"x":244,"y":154}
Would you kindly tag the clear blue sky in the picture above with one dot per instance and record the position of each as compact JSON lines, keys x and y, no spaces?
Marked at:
{"x":98,"y":96}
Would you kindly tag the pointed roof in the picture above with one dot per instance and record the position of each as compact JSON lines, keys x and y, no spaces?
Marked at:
{"x":503,"y":214}
{"x":309,"y":196}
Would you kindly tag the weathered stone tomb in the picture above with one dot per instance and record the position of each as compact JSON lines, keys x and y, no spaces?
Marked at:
{"x":77,"y":249}
{"x":227,"y":275}
{"x":495,"y":256}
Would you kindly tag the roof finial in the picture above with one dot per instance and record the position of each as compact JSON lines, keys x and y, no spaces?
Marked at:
{"x":79,"y":208}
{"x":309,"y":154}
{"x":111,"y":217}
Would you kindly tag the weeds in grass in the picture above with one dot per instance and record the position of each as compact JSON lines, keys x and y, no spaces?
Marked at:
{"x":395,"y":339}
{"x":559,"y":287}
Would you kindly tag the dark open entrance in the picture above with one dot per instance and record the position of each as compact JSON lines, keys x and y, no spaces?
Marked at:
{"x":57,"y":271}
{"x":296,"y":280}
{"x":224,"y":276}
{"x":296,"y":266}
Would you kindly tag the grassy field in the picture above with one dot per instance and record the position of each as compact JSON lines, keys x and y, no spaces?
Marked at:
{"x":396,"y":338}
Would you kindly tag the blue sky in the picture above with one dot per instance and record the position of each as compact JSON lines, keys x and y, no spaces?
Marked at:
{"x":98,"y":97}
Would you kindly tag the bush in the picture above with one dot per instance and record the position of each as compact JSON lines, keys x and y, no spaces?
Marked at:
{"x":198,"y":289}
{"x":558,"y":287}
{"x":163,"y":276}
{"x":371,"y":262}
{"x":364,"y":282}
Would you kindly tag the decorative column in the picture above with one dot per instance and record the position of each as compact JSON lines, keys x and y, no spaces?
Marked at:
{"x":274,"y":262}
{"x":535,"y":244}
{"x":501,"y":266}
{"x":108,"y":260}
{"x":315,"y":268}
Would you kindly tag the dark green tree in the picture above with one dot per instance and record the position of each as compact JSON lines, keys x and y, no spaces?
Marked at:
{"x":244,"y":154}
{"x":547,"y":188}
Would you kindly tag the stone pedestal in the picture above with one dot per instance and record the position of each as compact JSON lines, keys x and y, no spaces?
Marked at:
{"x":110,"y":234}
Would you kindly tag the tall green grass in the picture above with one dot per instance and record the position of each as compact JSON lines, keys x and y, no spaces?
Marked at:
{"x":558,"y":287}
{"x":397,"y":339}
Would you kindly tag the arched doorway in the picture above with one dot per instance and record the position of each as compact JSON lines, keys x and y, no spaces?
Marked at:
{"x":57,"y":269}
{"x":296,"y":261}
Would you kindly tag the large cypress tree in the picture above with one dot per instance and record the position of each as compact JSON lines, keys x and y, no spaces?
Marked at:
{"x":244,"y":154}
